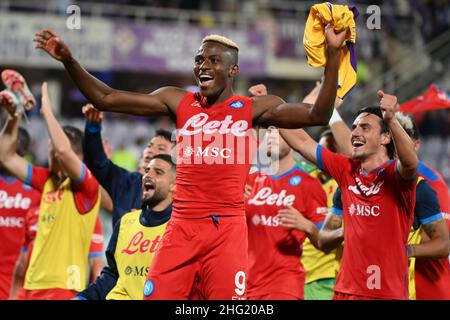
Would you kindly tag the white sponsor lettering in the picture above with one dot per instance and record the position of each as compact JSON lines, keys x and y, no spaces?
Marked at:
{"x":271,"y":221}
{"x":199,"y":123}
{"x":16,"y":202}
{"x":268,"y":197}
{"x":11,"y":222}
{"x":361,"y":188}
{"x":364,"y":210}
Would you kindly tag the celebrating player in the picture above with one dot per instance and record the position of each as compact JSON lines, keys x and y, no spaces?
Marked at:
{"x":213,"y":127}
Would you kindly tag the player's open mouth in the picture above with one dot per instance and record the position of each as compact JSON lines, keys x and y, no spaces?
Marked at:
{"x":205,"y":80}
{"x":357,"y":144}
{"x":149,"y":185}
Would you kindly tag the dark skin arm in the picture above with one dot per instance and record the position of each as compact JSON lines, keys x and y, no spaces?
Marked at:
{"x":272,"y":110}
{"x":332,"y":233}
{"x":163,"y":101}
{"x":435,"y":244}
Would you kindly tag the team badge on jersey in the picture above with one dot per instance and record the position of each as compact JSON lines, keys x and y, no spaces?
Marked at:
{"x":295,"y":181}
{"x":149,"y":287}
{"x":237,"y":104}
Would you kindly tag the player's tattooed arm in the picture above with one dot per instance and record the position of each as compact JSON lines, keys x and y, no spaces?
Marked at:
{"x":436,"y":243}
{"x":332,"y":233}
{"x":160,"y":102}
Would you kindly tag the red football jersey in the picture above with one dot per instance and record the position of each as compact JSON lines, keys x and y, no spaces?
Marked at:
{"x":378,"y":214}
{"x":274,"y":250}
{"x":16,"y":198}
{"x":433,"y":276}
{"x":214,"y":153}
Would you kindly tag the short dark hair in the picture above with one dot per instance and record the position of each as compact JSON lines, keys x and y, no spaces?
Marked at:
{"x":167,"y":158}
{"x":75,"y":137}
{"x":23,"y":142}
{"x":166,"y":134}
{"x":376,"y":110}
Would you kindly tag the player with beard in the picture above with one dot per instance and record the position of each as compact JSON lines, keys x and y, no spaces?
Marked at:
{"x":214,"y":128}
{"x":136,"y":237}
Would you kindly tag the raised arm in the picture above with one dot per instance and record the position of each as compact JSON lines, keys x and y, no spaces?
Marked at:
{"x":270,"y":110}
{"x":301,"y":142}
{"x":62,"y":148}
{"x":408,"y":161}
{"x":9,"y":158}
{"x":163,"y":101}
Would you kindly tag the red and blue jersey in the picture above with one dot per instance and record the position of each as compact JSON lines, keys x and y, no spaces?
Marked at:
{"x":16,"y":198}
{"x":433,"y":276}
{"x":214,"y":154}
{"x":378,"y":212}
{"x":274,"y":250}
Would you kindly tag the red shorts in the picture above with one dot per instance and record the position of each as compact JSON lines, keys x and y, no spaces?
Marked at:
{"x":51,"y":294}
{"x":274,"y":296}
{"x":346,"y":296}
{"x":200,"y":258}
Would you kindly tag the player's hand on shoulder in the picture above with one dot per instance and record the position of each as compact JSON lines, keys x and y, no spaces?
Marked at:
{"x":51,"y":43}
{"x":92,"y":114}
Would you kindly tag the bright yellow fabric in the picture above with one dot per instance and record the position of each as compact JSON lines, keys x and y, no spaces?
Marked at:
{"x":317,"y":264}
{"x":135,"y":249}
{"x":315,"y":44}
{"x":60,"y":251}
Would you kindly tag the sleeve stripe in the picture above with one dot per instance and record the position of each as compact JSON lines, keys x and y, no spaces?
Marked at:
{"x":319,"y":225}
{"x":80,"y":297}
{"x":83,"y":174}
{"x":24,"y":250}
{"x":29,"y":173}
{"x":337,"y":211}
{"x":432,"y":218}
{"x":319,"y":156}
{"x":95,"y":254}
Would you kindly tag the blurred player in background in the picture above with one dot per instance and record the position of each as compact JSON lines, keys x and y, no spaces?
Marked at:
{"x":68,"y":209}
{"x":16,"y":198}
{"x":283,"y":209}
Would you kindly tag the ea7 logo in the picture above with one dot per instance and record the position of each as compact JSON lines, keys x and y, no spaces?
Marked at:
{"x":368,"y":191}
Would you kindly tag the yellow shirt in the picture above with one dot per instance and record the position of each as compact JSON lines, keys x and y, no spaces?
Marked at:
{"x":317,"y":264}
{"x":135,"y":249}
{"x":60,"y":251}
{"x":314,"y":41}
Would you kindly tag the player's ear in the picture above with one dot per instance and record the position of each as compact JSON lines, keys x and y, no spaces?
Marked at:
{"x":234,"y":70}
{"x":386,"y":138}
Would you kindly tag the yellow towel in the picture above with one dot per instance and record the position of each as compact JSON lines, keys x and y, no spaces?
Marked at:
{"x":343,"y":17}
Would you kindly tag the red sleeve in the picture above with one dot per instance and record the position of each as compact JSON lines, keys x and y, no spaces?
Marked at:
{"x":85,"y":191}
{"x":333,"y":163}
{"x":96,"y":248}
{"x":407,"y":186}
{"x":37,"y":176}
{"x":315,"y":202}
{"x":31,"y":218}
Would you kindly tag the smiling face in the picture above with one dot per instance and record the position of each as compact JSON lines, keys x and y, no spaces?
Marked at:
{"x":215,"y":66}
{"x":367,"y":136}
{"x":157,"y":182}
